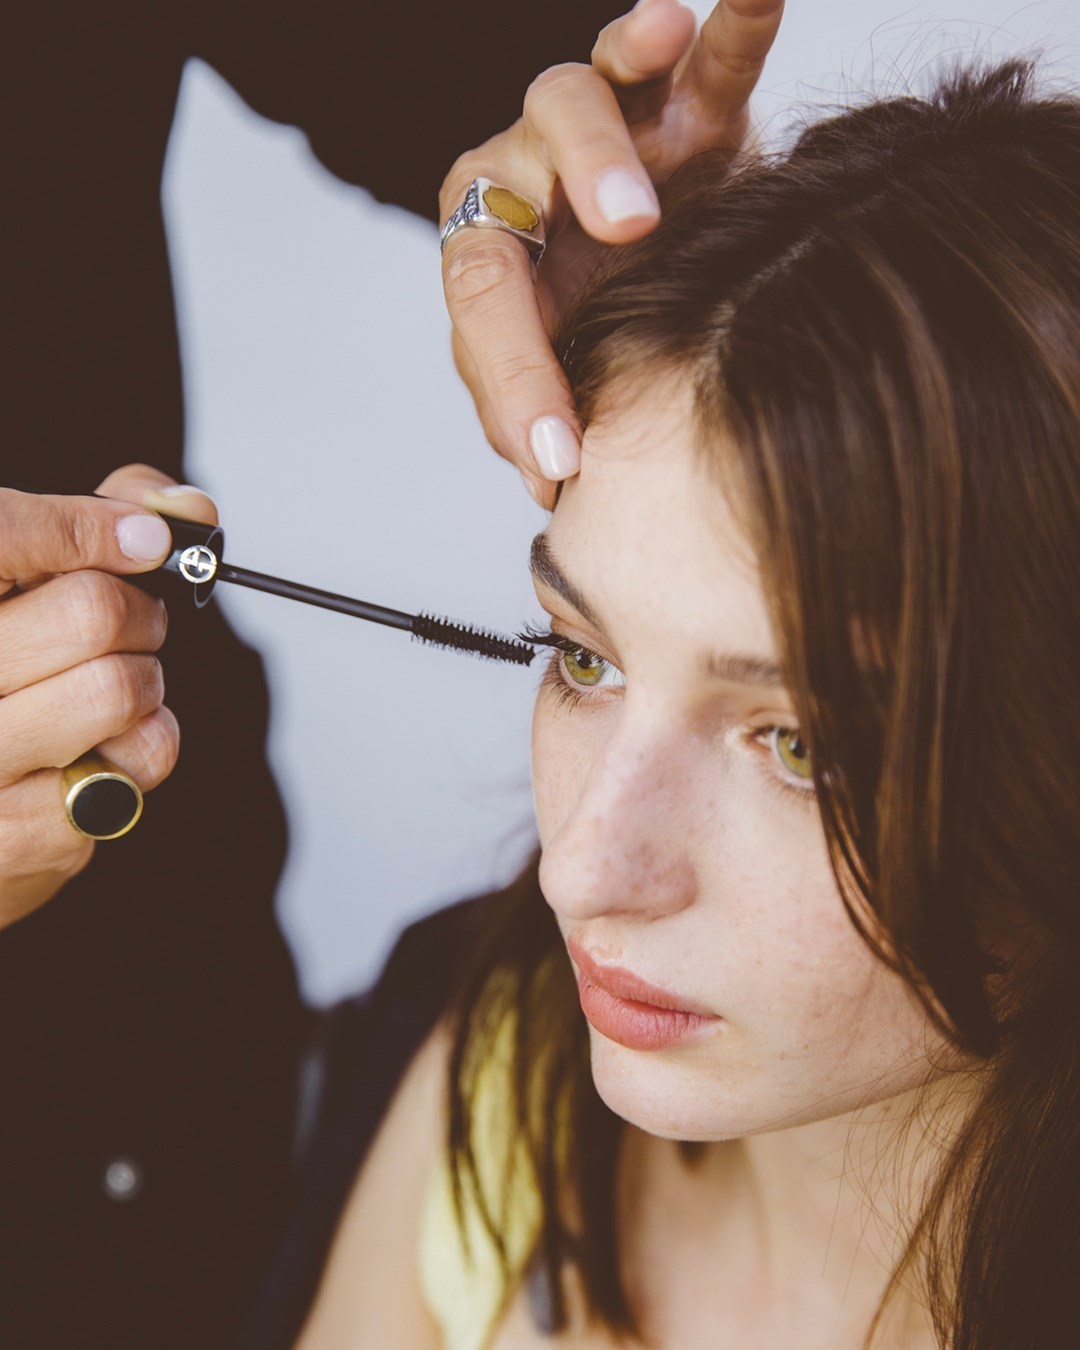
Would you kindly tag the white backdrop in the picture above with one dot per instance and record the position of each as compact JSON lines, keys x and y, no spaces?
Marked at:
{"x":325,"y":417}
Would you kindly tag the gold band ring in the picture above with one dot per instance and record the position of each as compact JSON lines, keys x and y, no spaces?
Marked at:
{"x":100,"y":800}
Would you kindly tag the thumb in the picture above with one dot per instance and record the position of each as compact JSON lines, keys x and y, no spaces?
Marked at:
{"x":42,"y":535}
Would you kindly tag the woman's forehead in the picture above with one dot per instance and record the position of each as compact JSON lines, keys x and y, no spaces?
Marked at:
{"x":651,"y":490}
{"x":645,"y":529}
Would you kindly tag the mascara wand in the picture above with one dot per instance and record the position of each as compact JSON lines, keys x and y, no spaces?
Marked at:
{"x":197,"y":563}
{"x":424,"y":627}
{"x":197,"y":559}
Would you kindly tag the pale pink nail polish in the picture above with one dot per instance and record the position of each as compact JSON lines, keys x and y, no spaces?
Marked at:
{"x":621,"y":195}
{"x":180,"y":490}
{"x":143,"y":538}
{"x":555,"y":447}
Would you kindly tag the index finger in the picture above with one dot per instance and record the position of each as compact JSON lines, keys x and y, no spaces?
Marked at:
{"x":518,"y":381}
{"x":147,"y":486}
{"x":42,"y":535}
{"x":726,"y":62}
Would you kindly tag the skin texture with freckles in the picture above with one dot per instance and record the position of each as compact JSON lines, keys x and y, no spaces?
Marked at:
{"x":671,"y":848}
{"x":678,"y":846}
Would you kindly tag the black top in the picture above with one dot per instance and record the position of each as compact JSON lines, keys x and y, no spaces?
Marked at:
{"x":149,"y":1016}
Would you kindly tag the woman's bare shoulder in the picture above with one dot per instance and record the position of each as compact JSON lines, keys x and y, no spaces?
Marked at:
{"x":370,"y":1289}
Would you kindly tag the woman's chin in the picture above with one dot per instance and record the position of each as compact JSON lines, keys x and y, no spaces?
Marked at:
{"x":660,"y":1095}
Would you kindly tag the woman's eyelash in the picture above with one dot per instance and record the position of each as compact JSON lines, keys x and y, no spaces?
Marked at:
{"x":547,"y":638}
{"x":551,"y":681}
{"x":806,"y":796}
{"x":763,"y":736}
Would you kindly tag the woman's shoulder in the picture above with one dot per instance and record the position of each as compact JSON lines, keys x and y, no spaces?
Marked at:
{"x":370,"y":1292}
{"x":370,"y":1053}
{"x":414,"y":1262}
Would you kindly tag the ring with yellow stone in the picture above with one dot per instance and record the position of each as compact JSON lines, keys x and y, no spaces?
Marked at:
{"x":489,"y":205}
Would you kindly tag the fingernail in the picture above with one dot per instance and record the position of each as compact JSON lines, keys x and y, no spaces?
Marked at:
{"x":620,"y":195}
{"x":143,"y":538}
{"x":179,"y":490}
{"x":555,"y":447}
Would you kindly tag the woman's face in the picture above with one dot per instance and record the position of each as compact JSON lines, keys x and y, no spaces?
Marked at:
{"x":726,"y":989}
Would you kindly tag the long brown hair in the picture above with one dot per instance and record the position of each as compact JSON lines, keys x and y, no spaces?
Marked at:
{"x":885,"y":323}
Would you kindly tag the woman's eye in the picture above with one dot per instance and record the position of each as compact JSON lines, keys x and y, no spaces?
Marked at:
{"x":790,"y":749}
{"x":586,"y":668}
{"x":572,"y":667}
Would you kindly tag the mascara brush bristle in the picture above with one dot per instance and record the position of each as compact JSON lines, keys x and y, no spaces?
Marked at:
{"x":446,"y":633}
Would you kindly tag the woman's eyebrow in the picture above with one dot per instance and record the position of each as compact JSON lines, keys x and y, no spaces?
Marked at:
{"x":730,"y":667}
{"x":545,"y":569}
{"x":737,"y":668}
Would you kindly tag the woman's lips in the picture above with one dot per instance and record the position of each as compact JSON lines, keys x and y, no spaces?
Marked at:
{"x":628,"y":1010}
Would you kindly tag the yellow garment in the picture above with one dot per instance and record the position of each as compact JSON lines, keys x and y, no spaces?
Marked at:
{"x":463,"y":1282}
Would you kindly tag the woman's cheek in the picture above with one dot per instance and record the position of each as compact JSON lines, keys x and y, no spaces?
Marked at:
{"x":562,"y":750}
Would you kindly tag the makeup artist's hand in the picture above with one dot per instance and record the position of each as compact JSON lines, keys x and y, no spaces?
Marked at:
{"x":590,"y":144}
{"x":77,"y":665}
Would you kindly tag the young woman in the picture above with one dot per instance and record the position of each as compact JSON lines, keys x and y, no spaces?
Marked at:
{"x":781,"y":1047}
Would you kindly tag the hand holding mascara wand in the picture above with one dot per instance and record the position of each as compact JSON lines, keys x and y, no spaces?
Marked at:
{"x":100,"y":800}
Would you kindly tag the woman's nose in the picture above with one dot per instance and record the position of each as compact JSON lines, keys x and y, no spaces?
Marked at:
{"x":624,"y":846}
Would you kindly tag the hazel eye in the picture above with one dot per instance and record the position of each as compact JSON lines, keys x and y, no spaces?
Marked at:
{"x":791,"y":751}
{"x":586,"y":668}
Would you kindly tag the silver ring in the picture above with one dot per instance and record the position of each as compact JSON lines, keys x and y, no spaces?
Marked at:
{"x":489,"y":206}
